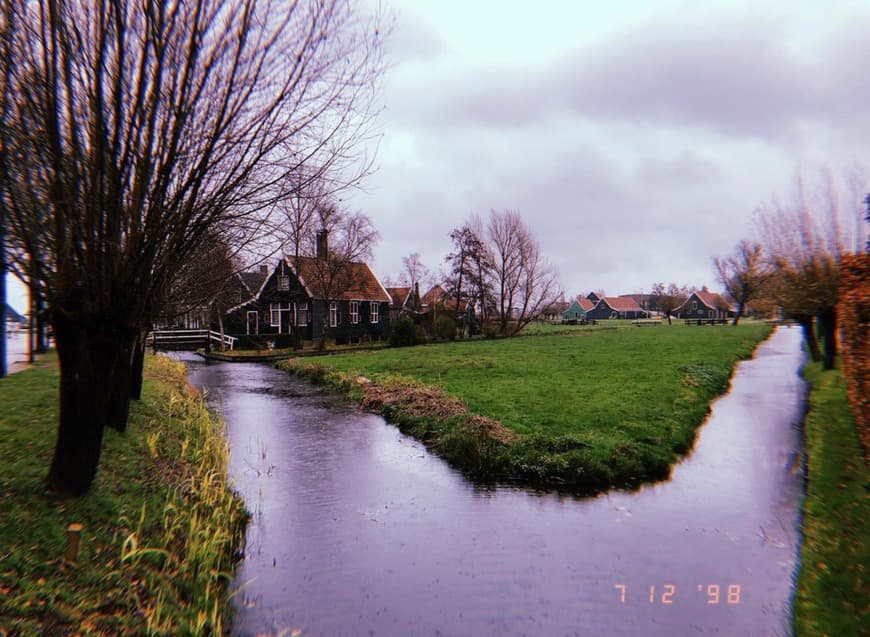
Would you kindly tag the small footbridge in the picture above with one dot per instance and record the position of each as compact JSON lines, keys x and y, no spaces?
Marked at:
{"x":188,"y":339}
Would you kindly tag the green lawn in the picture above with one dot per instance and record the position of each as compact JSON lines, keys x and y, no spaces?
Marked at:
{"x":593,"y":406}
{"x":833,"y":595}
{"x":160,"y":525}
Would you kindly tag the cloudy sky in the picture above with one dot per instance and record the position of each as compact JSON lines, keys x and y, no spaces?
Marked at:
{"x":636,"y":137}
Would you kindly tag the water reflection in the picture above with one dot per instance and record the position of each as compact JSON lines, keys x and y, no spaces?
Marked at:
{"x":357,"y":529}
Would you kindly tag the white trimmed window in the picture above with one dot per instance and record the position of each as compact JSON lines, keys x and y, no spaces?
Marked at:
{"x":302,"y":314}
{"x":275,"y":314}
{"x":354,"y":312}
{"x":333,"y":314}
{"x":283,"y":283}
{"x":374,"y":312}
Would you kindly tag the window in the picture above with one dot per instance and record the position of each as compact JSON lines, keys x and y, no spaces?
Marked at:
{"x":302,"y":314}
{"x":694,"y":305}
{"x":275,"y":314}
{"x":374,"y":312}
{"x":283,"y":283}
{"x":333,"y":314}
{"x":354,"y":312}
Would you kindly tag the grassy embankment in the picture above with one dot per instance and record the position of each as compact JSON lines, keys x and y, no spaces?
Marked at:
{"x":585,"y":408}
{"x":833,"y":590}
{"x":161,"y":527}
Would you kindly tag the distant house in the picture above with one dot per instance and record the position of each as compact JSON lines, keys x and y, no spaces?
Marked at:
{"x":705,"y":305}
{"x":302,"y":296}
{"x":405,"y":301}
{"x":438,"y":299}
{"x":575,"y":311}
{"x":616,"y":307}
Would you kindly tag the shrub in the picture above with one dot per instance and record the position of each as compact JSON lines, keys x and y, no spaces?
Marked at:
{"x":445,"y":328}
{"x":403,"y":333}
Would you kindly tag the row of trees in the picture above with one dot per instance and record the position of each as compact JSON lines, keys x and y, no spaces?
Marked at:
{"x":138,"y":138}
{"x":795,"y":262}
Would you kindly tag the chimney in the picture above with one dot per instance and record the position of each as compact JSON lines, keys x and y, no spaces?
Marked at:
{"x":323,"y":244}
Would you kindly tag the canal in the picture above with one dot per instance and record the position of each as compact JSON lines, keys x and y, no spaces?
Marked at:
{"x":358,"y":530}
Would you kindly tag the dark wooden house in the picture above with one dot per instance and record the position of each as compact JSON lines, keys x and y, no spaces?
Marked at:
{"x":616,"y":307}
{"x":303,"y":296}
{"x":705,"y":305}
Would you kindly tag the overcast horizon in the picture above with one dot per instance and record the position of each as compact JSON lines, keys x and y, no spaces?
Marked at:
{"x":636,"y":139}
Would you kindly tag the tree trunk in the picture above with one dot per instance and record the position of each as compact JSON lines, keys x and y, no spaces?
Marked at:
{"x":828,"y":325}
{"x":138,"y":367}
{"x":738,"y":315}
{"x":806,"y":322}
{"x":81,"y":418}
{"x":669,"y":318}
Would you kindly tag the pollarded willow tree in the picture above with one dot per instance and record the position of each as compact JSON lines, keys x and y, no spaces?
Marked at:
{"x":804,"y":242}
{"x":138,"y":128}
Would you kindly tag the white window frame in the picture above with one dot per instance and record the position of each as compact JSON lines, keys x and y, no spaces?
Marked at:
{"x":354,"y":312}
{"x":256,"y":316}
{"x":283,"y":283}
{"x":333,"y":314}
{"x":274,"y":314}
{"x":374,"y":312}
{"x":302,"y":314}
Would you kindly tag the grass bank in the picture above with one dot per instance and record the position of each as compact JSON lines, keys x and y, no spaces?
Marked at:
{"x":833,"y":591}
{"x":160,"y":525}
{"x":582,"y":409}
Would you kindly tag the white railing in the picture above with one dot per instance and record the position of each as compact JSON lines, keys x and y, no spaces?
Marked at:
{"x":179,"y":337}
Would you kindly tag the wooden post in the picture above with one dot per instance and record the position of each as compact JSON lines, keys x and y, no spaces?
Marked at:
{"x":73,"y":537}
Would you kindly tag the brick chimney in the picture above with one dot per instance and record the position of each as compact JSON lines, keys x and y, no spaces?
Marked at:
{"x":323,"y":244}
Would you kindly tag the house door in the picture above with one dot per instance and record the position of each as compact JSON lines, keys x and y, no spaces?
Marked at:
{"x":286,"y":320}
{"x":253,"y":323}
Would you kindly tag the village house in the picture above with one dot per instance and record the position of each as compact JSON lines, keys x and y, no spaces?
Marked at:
{"x":615,"y":307}
{"x":705,"y":305}
{"x":302,"y":296}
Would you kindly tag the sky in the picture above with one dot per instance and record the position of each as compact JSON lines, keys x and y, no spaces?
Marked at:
{"x":636,"y":138}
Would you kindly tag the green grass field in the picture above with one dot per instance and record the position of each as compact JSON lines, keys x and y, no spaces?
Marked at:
{"x":160,"y":529}
{"x":593,"y":406}
{"x":833,"y":593}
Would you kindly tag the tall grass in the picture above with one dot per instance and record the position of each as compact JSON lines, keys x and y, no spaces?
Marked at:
{"x":833,"y":591}
{"x":161,"y":526}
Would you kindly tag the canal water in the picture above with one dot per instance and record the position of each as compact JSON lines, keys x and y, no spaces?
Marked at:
{"x":358,"y":530}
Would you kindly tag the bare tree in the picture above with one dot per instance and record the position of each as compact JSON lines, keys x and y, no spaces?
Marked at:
{"x":804,"y":242}
{"x":343,"y":241}
{"x":670,"y":297}
{"x":413,"y":269}
{"x":524,"y":283}
{"x":743,"y":274}
{"x":139,"y":127}
{"x":467,"y":280}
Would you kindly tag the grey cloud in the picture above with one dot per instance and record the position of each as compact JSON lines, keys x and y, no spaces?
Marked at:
{"x":732,"y":78}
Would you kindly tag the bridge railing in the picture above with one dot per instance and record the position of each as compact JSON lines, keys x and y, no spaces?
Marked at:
{"x":186,"y":337}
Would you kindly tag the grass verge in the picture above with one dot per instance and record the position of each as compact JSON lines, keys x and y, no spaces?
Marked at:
{"x":161,"y":527}
{"x":584,"y":410}
{"x":833,"y":590}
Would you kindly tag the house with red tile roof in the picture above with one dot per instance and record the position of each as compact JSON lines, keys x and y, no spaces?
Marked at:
{"x":405,"y":301}
{"x":613,"y":307}
{"x":302,"y":296}
{"x":705,"y":305}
